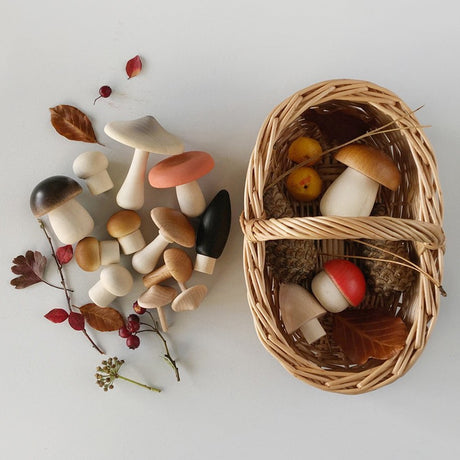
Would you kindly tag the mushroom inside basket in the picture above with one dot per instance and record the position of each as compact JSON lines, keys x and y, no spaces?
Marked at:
{"x":398,"y":247}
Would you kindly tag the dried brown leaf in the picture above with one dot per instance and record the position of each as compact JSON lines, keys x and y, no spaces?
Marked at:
{"x":30,"y":267}
{"x":364,"y":334}
{"x":72,"y":123}
{"x":102,"y":319}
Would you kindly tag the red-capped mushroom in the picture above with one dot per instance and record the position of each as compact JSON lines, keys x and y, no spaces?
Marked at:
{"x":182,"y":171}
{"x":339,"y":285}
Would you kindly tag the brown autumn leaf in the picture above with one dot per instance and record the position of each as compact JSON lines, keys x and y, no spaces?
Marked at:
{"x":102,"y":319}
{"x":364,"y":334}
{"x":30,"y":269}
{"x":72,"y":123}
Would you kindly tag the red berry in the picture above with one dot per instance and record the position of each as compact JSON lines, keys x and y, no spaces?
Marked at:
{"x":123,"y":332}
{"x":104,"y":91}
{"x":133,"y":323}
{"x":133,"y":342}
{"x":138,"y":309}
{"x":133,"y":317}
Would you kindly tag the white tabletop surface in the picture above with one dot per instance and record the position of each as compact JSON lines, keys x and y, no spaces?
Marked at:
{"x":212,"y":71}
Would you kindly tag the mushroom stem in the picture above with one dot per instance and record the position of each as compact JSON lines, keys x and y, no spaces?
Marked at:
{"x":352,"y":194}
{"x":191,"y":199}
{"x":162,"y":317}
{"x":99,"y":182}
{"x":100,"y":295}
{"x":131,"y":193}
{"x":145,"y":260}
{"x":71,"y":222}
{"x":312,"y":330}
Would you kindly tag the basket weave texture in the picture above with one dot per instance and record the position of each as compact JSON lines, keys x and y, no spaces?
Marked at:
{"x":335,"y":112}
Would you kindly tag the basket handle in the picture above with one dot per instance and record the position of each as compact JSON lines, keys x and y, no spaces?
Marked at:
{"x":320,"y":228}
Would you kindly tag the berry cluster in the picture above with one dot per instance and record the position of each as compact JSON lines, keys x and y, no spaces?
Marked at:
{"x":130,"y":330}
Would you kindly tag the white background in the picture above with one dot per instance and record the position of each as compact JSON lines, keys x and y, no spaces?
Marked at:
{"x":212,"y":71}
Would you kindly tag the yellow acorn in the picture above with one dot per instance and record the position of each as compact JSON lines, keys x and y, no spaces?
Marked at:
{"x":304,"y":184}
{"x":304,"y":148}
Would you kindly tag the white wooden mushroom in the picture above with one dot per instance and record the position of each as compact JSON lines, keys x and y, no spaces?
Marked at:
{"x":115,"y":281}
{"x":144,"y":135}
{"x":92,"y":167}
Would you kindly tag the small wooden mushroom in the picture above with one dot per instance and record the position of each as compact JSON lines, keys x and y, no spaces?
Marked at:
{"x":300,"y":311}
{"x":158,"y":296}
{"x":182,"y":171}
{"x":125,"y":226}
{"x":55,"y":197}
{"x":92,"y":167}
{"x":90,"y":253}
{"x":144,"y":135}
{"x":190,"y":299}
{"x":115,"y":281}
{"x":339,"y":285}
{"x":212,"y":233}
{"x":353,"y":193}
{"x":178,"y":265}
{"x":173,"y":227}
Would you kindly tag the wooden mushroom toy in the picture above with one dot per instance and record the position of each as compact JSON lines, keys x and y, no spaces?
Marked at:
{"x":190,"y":299}
{"x":178,"y":265}
{"x":125,"y":226}
{"x":339,"y":285}
{"x":92,"y":167}
{"x":55,"y":197}
{"x":144,"y":135}
{"x":115,"y":281}
{"x":158,"y":296}
{"x":213,"y":232}
{"x":91,"y":253}
{"x":300,"y":311}
{"x":353,"y":193}
{"x":173,"y":227}
{"x":182,"y":171}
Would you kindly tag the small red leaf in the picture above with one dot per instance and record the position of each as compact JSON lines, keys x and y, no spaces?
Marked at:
{"x":134,"y":66}
{"x":64,"y":254}
{"x":57,"y":315}
{"x":77,"y":321}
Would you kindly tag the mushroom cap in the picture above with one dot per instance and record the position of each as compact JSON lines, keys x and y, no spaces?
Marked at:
{"x":190,"y":299}
{"x":117,"y":279}
{"x":157,"y":296}
{"x":51,"y":193}
{"x":87,"y":254}
{"x":123,"y":223}
{"x":179,"y":264}
{"x":89,"y":163}
{"x":144,"y":134}
{"x":372,"y":163}
{"x":348,"y":279}
{"x":297,"y":306}
{"x":180,"y":169}
{"x":174,"y":226}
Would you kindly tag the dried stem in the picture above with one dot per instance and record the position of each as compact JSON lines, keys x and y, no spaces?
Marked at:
{"x":167,"y":356}
{"x":63,"y":282}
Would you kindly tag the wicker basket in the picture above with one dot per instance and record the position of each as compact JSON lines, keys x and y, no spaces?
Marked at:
{"x":334,"y":112}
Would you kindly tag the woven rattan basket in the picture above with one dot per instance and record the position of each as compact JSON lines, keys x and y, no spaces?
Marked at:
{"x":334,"y":112}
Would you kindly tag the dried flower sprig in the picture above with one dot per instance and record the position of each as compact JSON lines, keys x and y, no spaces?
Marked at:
{"x":108,"y":373}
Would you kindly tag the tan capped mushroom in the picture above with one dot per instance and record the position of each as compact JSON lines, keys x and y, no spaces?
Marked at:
{"x":173,"y":227}
{"x":91,"y":253}
{"x":125,"y":226}
{"x":190,"y":299}
{"x":55,"y":197}
{"x":158,"y":296}
{"x":115,"y":281}
{"x":92,"y":167}
{"x":300,"y":311}
{"x":144,"y":135}
{"x":353,"y":193}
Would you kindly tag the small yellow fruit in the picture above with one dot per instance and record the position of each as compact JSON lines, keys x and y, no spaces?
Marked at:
{"x":304,"y":184}
{"x":304,"y":148}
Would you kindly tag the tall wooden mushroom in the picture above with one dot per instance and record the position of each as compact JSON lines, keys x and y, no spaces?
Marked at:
{"x":144,"y":135}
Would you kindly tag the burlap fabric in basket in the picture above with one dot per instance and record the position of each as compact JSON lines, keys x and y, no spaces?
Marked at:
{"x":335,"y":112}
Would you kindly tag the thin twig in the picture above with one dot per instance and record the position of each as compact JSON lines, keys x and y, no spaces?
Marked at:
{"x":63,"y":282}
